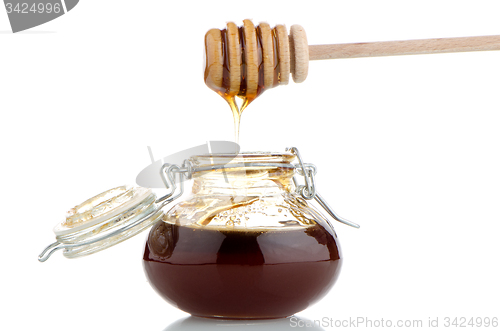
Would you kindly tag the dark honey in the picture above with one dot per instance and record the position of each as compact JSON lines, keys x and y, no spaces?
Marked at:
{"x":241,"y":274}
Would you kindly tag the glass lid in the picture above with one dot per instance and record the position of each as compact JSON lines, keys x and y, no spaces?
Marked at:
{"x":105,"y":220}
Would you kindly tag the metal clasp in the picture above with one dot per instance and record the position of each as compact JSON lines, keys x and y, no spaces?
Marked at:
{"x":308,"y":191}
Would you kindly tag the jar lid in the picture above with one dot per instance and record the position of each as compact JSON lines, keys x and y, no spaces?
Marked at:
{"x":105,"y":220}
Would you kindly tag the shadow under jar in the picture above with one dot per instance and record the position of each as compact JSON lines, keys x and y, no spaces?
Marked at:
{"x":243,"y":245}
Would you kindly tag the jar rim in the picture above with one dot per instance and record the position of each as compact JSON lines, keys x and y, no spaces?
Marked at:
{"x":271,"y":157}
{"x":243,"y":164}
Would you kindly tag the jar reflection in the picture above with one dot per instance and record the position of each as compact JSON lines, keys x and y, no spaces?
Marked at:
{"x":205,"y":324}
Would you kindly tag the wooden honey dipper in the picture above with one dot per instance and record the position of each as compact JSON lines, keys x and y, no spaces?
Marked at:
{"x":246,"y":61}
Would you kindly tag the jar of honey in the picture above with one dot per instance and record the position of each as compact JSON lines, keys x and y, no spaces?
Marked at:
{"x":244,"y":244}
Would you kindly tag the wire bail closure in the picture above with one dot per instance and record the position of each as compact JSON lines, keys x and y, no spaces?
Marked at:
{"x":308,"y":191}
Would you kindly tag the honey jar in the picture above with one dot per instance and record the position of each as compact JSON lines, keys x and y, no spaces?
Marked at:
{"x":244,"y":244}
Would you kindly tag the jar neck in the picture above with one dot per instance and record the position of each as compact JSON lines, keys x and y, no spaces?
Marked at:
{"x":241,"y":177}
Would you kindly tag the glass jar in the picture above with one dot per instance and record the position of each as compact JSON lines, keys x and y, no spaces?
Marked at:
{"x":243,"y":245}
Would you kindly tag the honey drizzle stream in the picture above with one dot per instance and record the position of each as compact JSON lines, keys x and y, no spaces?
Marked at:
{"x":226,"y":84}
{"x":224,"y":90}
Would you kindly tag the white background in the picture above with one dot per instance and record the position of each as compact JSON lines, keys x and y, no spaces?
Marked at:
{"x":406,"y":146}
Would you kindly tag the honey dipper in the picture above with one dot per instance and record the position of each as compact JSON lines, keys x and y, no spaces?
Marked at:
{"x":248,"y":60}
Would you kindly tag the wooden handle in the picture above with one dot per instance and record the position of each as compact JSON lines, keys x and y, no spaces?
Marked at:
{"x":404,"y":47}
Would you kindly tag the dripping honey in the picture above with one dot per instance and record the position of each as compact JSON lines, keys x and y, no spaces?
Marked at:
{"x":246,"y":94}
